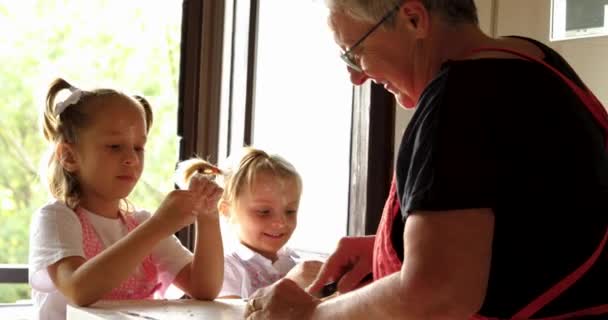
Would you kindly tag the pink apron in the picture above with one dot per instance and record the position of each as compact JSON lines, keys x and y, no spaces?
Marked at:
{"x":139,"y":285}
{"x":387,"y":262}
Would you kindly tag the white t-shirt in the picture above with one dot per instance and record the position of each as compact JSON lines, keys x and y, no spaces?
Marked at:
{"x":245,"y":270}
{"x":56,"y":233}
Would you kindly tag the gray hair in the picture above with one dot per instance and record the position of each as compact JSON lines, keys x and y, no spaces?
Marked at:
{"x":453,"y":11}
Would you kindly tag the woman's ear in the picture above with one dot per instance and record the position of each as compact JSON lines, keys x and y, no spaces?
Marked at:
{"x":67,"y":157}
{"x":416,"y":18}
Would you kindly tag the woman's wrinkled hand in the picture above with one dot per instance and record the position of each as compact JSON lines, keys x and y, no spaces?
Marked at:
{"x":348,"y":265}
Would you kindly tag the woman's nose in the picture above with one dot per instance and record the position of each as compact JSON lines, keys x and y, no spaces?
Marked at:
{"x":356,"y":77}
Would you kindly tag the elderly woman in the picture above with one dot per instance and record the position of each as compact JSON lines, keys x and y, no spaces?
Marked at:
{"x":499,"y":206}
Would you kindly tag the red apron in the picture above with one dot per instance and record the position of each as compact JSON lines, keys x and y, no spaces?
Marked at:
{"x":387,"y":262}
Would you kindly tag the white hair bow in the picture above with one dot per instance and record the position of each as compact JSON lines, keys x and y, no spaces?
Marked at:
{"x":72,"y":99}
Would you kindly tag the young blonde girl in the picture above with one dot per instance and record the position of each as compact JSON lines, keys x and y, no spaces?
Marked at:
{"x":86,"y":244}
{"x":260,"y":202}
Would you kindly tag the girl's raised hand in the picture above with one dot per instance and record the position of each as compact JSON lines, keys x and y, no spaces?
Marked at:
{"x":208,"y":193}
{"x":177,"y":210}
{"x":181,"y":208}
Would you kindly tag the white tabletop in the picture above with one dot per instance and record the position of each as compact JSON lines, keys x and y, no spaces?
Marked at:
{"x":220,"y":309}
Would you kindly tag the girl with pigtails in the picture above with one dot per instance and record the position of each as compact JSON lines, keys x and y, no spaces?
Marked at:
{"x":88,"y":243}
{"x":260,"y":205}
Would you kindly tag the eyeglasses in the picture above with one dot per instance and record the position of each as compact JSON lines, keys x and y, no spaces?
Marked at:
{"x":348,"y":56}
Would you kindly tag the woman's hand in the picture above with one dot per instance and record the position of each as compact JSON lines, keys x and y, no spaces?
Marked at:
{"x":304,"y":273}
{"x":348,"y":265}
{"x":282,"y":300}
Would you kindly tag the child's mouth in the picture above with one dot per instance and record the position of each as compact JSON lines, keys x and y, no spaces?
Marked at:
{"x":274,"y":235}
{"x":126,"y":178}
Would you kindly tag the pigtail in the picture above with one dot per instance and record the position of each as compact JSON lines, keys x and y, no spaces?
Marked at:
{"x":50,"y":120}
{"x":188,"y":168}
{"x":61,"y":183}
{"x":147,"y":110}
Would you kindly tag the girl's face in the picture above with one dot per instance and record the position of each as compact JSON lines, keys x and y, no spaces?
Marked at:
{"x":265,"y":214}
{"x":108,"y":156}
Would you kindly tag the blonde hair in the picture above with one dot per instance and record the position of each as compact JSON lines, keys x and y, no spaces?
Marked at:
{"x":188,"y":168}
{"x":453,"y":11}
{"x":63,"y":124}
{"x":241,"y":173}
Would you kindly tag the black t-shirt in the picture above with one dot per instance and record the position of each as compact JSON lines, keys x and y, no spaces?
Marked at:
{"x":507,"y":134}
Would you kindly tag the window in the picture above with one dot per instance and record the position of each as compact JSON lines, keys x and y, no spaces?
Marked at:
{"x":132,"y":45}
{"x":286,"y":90}
{"x":303,"y":116}
{"x":220,"y":79}
{"x":579,"y":18}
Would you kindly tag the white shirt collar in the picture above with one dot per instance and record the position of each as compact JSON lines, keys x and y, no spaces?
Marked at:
{"x":284,"y":255}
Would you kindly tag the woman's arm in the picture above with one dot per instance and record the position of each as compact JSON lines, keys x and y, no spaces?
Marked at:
{"x":444,"y":276}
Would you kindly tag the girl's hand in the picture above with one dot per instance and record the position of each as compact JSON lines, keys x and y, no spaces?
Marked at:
{"x":304,"y":273}
{"x":208,"y":193}
{"x":182,"y":207}
{"x":179,"y":209}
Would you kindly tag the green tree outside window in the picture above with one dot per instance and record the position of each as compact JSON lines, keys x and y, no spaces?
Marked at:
{"x":131,"y":45}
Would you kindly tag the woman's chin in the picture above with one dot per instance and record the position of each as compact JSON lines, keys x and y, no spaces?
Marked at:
{"x":404,"y":100}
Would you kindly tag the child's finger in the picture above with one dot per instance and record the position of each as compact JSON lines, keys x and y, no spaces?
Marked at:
{"x":210,"y":191}
{"x":202,"y":185}
{"x":212,"y":200}
{"x":196,"y":183}
{"x":217,"y":194}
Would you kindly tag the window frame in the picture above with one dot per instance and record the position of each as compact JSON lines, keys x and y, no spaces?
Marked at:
{"x":204,"y":49}
{"x":372,"y":154}
{"x":13,"y":273}
{"x":372,"y":144}
{"x":199,"y":43}
{"x":200,"y":91}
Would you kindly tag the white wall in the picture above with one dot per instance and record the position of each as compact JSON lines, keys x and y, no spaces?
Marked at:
{"x":532,"y":18}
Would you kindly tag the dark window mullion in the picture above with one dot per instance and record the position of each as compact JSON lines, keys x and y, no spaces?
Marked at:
{"x":242,"y":74}
{"x":13,"y":273}
{"x":199,"y":87}
{"x":372,"y":154}
{"x":254,"y":13}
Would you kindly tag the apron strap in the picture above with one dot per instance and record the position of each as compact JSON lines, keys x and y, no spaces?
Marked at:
{"x":561,"y":286}
{"x":589,"y":99}
{"x":601,"y":116}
